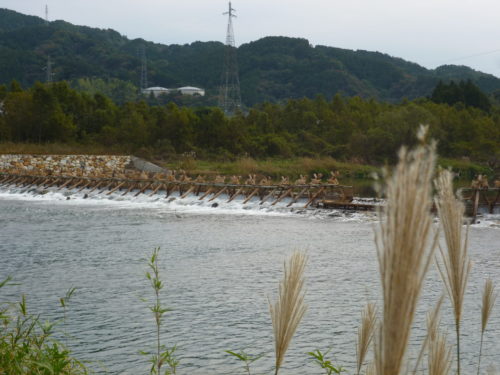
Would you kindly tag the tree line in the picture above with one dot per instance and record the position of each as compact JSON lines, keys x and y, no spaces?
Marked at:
{"x":350,"y":129}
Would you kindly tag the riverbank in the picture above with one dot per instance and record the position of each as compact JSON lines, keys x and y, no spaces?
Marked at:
{"x":272,"y":167}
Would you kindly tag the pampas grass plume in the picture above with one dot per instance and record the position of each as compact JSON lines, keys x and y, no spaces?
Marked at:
{"x":456,"y":265}
{"x":404,"y":253}
{"x":289,"y":309}
{"x":365,"y":333}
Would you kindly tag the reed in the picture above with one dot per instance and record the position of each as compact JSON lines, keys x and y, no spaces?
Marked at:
{"x":454,"y":264}
{"x":365,"y":333}
{"x":289,"y":309}
{"x":489,"y":298}
{"x":404,"y":252}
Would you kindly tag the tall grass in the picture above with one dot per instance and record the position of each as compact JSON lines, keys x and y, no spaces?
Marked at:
{"x":489,"y":298}
{"x":405,"y":245}
{"x":289,"y":308}
{"x":454,"y":265}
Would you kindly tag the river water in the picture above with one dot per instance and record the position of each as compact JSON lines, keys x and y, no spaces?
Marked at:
{"x":220,"y":265}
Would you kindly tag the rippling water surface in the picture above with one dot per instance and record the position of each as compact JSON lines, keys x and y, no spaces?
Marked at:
{"x":219,"y":265}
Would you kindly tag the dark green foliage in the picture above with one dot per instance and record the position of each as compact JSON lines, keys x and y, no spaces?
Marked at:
{"x":348,"y":129}
{"x":272,"y":69}
{"x":465,"y":93}
{"x":27,"y":346}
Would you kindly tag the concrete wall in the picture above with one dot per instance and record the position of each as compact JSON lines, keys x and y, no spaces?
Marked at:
{"x":78,"y":165}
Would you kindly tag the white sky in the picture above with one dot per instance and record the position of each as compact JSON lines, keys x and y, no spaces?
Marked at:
{"x":428,"y":32}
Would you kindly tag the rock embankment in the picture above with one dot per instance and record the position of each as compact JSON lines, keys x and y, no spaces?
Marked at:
{"x":98,"y":166}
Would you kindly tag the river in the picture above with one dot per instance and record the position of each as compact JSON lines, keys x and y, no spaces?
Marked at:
{"x":219,"y":265}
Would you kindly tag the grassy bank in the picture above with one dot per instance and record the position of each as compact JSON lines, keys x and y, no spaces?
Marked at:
{"x":273,"y":167}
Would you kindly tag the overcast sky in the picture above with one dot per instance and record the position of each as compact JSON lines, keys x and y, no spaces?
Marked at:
{"x":428,"y":32}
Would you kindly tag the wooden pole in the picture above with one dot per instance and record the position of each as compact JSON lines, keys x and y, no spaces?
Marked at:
{"x":130,"y":188}
{"x":106,"y":187}
{"x":493,"y":203}
{"x":99,"y":183}
{"x":475,"y":206}
{"x":267,"y":196}
{"x":251,"y":195}
{"x":282,"y":196}
{"x":296,"y":197}
{"x":206,"y":193}
{"x":143,"y":189}
{"x":155,"y":190}
{"x":235,"y":194}
{"x":66,"y":183}
{"x":52,"y":183}
{"x":314,"y":197}
{"x":218,"y":193}
{"x":188,"y":191}
{"x":116,"y":188}
{"x":84,"y":186}
{"x":75,"y":185}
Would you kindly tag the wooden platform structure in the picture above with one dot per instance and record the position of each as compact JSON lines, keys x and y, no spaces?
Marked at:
{"x":476,"y":200}
{"x":311,"y":195}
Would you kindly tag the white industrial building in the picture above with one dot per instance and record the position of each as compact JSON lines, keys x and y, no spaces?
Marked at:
{"x":186,"y":90}
{"x":156,"y":91}
{"x":190,"y":90}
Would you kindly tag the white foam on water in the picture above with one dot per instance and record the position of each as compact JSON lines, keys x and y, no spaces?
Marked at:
{"x":190,"y":204}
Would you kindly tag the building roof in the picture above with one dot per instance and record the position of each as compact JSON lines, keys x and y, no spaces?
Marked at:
{"x":190,"y":88}
{"x":157,"y":88}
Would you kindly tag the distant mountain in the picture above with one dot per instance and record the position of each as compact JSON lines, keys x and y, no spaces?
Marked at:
{"x":271,"y":68}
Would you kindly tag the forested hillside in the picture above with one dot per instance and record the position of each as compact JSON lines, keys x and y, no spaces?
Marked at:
{"x":271,"y":69}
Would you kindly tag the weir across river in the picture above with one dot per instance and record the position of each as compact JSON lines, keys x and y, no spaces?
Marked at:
{"x":315,"y":195}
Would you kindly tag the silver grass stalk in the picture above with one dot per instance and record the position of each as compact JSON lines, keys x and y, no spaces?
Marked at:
{"x":404,"y":253}
{"x":289,"y":309}
{"x":370,"y":369}
{"x":489,"y":298}
{"x":433,"y":321}
{"x":456,"y":265}
{"x":439,"y":358}
{"x":365,"y":333}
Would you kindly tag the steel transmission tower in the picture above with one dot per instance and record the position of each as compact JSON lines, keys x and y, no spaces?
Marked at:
{"x":50,"y":75}
{"x":144,"y":68}
{"x":229,"y":96}
{"x":48,"y":68}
